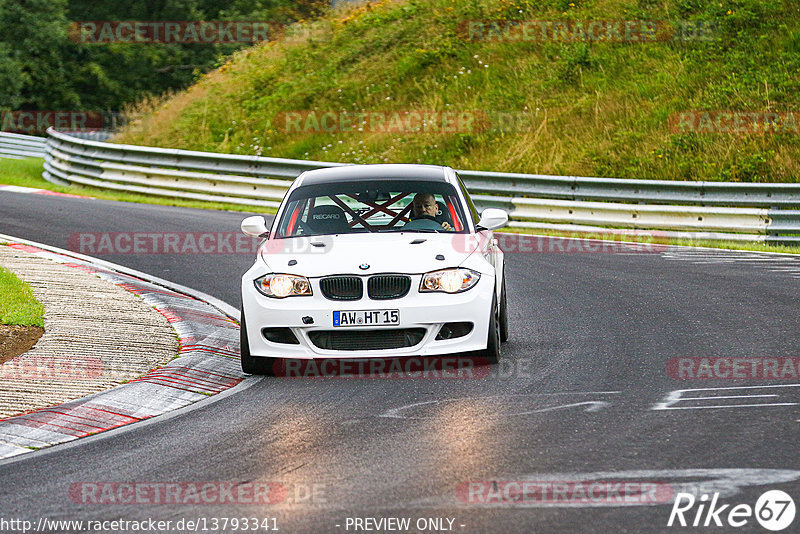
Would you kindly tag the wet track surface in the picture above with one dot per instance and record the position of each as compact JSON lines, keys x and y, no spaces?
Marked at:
{"x":583,"y":393}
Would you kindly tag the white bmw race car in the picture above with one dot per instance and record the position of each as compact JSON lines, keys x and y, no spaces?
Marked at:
{"x":366,"y":261}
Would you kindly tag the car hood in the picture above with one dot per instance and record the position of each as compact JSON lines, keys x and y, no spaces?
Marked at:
{"x":400,"y":252}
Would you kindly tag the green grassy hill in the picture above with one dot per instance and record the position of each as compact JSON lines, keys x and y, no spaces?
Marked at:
{"x":581,"y":108}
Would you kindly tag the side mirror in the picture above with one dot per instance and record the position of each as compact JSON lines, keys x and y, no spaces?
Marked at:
{"x":255,"y":226}
{"x":492,"y":219}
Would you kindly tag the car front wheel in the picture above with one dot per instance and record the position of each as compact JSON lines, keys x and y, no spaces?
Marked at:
{"x":493,"y":352}
{"x":251,"y":365}
{"x":503,"y":312}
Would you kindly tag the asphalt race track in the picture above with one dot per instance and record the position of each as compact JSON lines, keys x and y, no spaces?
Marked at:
{"x":583,"y":393}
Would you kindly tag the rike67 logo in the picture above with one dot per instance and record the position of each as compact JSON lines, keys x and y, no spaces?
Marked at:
{"x":774,"y":510}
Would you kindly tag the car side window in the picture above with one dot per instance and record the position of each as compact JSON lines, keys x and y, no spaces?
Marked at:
{"x":472,"y":210}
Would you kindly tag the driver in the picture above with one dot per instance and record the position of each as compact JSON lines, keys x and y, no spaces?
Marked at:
{"x":424,"y":207}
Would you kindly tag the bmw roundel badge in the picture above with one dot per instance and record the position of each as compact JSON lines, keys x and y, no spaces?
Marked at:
{"x":364,"y":266}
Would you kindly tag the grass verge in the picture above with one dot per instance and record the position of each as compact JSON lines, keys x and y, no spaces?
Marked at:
{"x":557,"y":104}
{"x":18,"y":305}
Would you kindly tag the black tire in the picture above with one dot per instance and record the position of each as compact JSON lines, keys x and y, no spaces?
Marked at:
{"x":252,"y":365}
{"x":492,"y":353}
{"x":503,"y":312}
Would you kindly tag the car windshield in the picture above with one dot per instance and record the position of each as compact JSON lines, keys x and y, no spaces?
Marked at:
{"x":372,"y":206}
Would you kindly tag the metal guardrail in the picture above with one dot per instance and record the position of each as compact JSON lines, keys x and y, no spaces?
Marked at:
{"x":762,"y":195}
{"x":17,"y":146}
{"x":249,"y":180}
{"x":700,"y":210}
{"x":93,"y":135}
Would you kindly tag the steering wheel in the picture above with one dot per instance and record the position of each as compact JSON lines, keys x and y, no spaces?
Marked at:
{"x":423,"y":223}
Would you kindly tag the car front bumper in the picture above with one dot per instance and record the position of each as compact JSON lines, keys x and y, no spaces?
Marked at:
{"x":428,"y":311}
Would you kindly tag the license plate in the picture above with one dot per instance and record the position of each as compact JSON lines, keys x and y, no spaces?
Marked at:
{"x":366,"y":318}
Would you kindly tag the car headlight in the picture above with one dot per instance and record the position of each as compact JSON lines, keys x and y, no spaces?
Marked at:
{"x":283,"y":285}
{"x":449,"y":280}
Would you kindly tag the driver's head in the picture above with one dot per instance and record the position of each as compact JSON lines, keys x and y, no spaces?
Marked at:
{"x":424,"y":204}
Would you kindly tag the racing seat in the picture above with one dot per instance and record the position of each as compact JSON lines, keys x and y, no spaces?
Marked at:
{"x":328,"y":219}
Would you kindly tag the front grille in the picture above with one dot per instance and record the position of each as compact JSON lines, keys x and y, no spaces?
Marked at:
{"x":388,"y":286}
{"x":342,"y":287}
{"x":367,"y":339}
